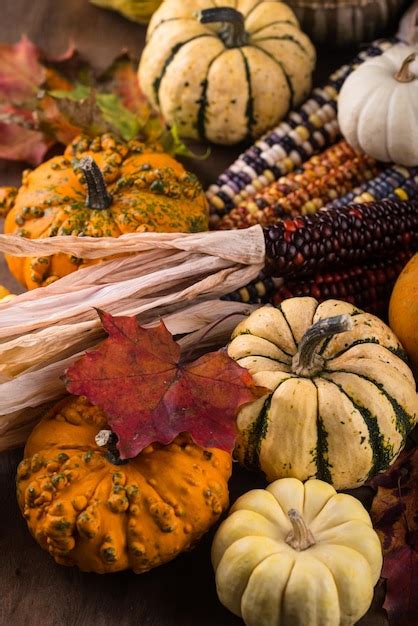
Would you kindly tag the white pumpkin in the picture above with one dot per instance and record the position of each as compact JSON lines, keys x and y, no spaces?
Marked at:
{"x":225,"y":73}
{"x":297,"y":554}
{"x":378,"y":106}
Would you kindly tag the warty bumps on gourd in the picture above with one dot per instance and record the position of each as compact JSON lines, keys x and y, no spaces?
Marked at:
{"x":87,"y":510}
{"x":100,"y":187}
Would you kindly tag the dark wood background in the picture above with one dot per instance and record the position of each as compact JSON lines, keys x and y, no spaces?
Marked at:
{"x":33,"y":589}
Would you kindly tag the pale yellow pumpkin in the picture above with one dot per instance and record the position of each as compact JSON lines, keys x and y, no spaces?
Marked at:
{"x":297,"y":554}
{"x":225,"y":73}
{"x":342,"y":399}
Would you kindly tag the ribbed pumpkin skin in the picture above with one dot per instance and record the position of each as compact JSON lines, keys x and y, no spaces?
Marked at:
{"x":267,"y":582}
{"x":225,"y":94}
{"x":343,"y":425}
{"x":376,"y":110}
{"x":102,"y":517}
{"x":403,"y":311}
{"x":151,"y":192}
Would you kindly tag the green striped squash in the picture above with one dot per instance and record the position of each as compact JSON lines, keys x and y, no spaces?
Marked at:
{"x":342,"y":398}
{"x":225,"y":73}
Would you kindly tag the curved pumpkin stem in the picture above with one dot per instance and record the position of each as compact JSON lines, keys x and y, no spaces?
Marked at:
{"x":233,"y":33}
{"x":405,"y":75}
{"x":307,"y":362}
{"x":300,"y":537}
{"x":98,"y":196}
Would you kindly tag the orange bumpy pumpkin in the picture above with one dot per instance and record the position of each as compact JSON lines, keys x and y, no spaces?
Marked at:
{"x":403,"y":311}
{"x":87,"y":511}
{"x":100,"y":187}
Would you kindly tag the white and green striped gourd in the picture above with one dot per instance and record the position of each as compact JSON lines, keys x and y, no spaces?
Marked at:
{"x":342,"y":397}
{"x":225,"y":73}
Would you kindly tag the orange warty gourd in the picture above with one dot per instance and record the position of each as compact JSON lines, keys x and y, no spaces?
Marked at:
{"x":100,"y":187}
{"x":403,"y":311}
{"x":87,"y":511}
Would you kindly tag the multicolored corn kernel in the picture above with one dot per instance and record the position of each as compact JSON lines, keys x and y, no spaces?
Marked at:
{"x":367,"y":286}
{"x":322,"y":178}
{"x":340,"y":237}
{"x":394,"y":183}
{"x":306,"y":131}
{"x":259,"y":291}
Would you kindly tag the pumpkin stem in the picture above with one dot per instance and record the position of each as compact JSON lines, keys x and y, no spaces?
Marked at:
{"x":108,"y":439}
{"x":405,"y":75}
{"x":300,"y":537}
{"x":233,"y":32}
{"x":98,"y":196}
{"x":307,"y":361}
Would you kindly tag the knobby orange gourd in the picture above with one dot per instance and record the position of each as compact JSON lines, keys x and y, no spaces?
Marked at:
{"x":88,"y":511}
{"x":100,"y":187}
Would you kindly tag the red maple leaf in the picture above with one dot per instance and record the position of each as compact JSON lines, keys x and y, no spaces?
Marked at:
{"x":21,"y":72}
{"x":137,"y":377}
{"x":395,"y":517}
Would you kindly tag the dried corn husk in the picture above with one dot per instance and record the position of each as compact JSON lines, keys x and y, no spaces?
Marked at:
{"x":175,"y":276}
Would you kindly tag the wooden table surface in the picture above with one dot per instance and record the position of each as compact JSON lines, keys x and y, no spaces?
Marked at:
{"x":33,"y":589}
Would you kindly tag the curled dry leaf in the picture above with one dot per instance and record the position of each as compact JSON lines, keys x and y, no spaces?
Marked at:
{"x":44,"y":101}
{"x":17,"y":143}
{"x":21,"y":71}
{"x":395,"y":518}
{"x":20,"y":75}
{"x":150,"y":395}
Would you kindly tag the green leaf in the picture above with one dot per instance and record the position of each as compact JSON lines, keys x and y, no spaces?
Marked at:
{"x":79,"y":93}
{"x":118,"y":116}
{"x":173,"y":144}
{"x":70,"y":99}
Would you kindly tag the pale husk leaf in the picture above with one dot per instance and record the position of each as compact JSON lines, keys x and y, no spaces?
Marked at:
{"x":177,"y":277}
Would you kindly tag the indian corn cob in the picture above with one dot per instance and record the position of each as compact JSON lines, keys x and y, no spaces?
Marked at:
{"x":308,"y":130}
{"x":367,"y":286}
{"x":350,"y":231}
{"x":323,"y":177}
{"x":259,"y":291}
{"x":394,"y":183}
{"x":338,"y":237}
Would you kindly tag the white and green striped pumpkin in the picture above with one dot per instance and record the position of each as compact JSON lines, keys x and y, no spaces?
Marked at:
{"x":342,"y":397}
{"x":225,"y":71}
